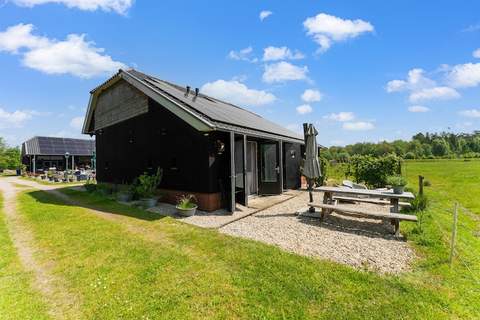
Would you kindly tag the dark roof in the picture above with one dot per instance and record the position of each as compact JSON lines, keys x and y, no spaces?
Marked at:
{"x":222,"y":115}
{"x":58,"y":146}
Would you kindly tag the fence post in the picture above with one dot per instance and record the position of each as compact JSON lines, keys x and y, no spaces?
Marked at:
{"x":454,"y":232}
{"x":420,"y":184}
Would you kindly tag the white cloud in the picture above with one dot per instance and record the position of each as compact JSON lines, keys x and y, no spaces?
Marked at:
{"x":119,"y":6}
{"x":264,"y":14}
{"x":416,"y":80}
{"x":476,"y":53}
{"x":311,"y":95}
{"x":15,"y":119}
{"x":341,"y":116}
{"x":281,"y":53}
{"x":284,"y":71}
{"x":73,"y":56}
{"x":20,"y":36}
{"x":77,"y":122}
{"x":472,"y":113}
{"x":243,"y":54}
{"x":237,"y":93}
{"x":435,"y":93}
{"x":358,"y":126}
{"x":464,"y":75}
{"x":418,"y":109}
{"x":304,"y":109}
{"x":326,"y":29}
{"x":421,"y":88}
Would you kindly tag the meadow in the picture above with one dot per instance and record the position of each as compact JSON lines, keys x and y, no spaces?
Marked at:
{"x":138,"y":264}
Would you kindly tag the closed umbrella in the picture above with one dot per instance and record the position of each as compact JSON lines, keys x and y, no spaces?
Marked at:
{"x":311,"y":166}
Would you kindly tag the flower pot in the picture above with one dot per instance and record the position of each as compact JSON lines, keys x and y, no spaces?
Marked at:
{"x":187,"y":212}
{"x":148,"y":202}
{"x":398,"y":189}
{"x":124,"y":197}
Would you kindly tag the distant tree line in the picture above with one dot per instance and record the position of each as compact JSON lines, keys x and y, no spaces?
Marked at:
{"x":422,"y":146}
{"x":9,"y":156}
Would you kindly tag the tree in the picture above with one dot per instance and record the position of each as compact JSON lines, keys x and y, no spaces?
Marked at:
{"x":9,"y":157}
{"x":440,"y":147}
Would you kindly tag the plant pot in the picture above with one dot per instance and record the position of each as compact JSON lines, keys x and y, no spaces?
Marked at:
{"x":124,"y":197}
{"x":148,"y":202}
{"x":187,"y":212}
{"x":398,"y":189}
{"x":50,"y":178}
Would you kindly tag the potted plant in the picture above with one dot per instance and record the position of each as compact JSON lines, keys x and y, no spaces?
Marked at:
{"x":145,"y":186}
{"x":125,"y":195}
{"x":398,"y":183}
{"x":186,"y":205}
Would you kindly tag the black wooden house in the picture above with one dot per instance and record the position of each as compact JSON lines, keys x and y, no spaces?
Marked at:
{"x":219,"y":152}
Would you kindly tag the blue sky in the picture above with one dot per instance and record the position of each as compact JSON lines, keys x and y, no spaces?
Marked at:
{"x":374,"y":70}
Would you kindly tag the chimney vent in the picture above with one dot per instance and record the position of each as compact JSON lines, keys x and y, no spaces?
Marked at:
{"x":188,"y":91}
{"x":196,"y":94}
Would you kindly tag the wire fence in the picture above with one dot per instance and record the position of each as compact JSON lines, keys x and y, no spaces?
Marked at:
{"x":463,"y":239}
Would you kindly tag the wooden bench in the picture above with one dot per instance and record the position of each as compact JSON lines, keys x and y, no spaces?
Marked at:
{"x":395,"y":217}
{"x":370,"y":200}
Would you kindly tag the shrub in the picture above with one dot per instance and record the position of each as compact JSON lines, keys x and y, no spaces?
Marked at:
{"x":373,"y":171}
{"x":409,"y":155}
{"x":396,"y":181}
{"x":145,"y":185}
{"x":420,"y":203}
{"x":187,"y":201}
{"x":90,"y":187}
{"x":427,"y":183}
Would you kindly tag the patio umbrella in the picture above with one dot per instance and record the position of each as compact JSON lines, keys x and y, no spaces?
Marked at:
{"x":311,"y":166}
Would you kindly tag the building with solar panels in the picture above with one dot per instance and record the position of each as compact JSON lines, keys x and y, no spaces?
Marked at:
{"x":219,"y":152}
{"x":41,"y":153}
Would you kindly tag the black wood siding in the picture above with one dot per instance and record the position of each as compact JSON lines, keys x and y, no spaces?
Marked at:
{"x":158,"y":139}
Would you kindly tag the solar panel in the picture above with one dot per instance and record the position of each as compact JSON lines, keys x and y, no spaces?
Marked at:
{"x":59,"y":146}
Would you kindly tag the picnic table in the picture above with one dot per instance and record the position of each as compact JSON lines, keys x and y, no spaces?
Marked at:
{"x":329,"y":204}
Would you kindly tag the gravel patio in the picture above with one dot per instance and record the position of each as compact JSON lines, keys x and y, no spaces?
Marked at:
{"x":359,"y":242}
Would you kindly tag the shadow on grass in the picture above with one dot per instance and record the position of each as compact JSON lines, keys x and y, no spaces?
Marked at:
{"x":70,"y":197}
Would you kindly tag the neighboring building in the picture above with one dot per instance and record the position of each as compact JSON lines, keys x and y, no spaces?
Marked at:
{"x":41,"y":153}
{"x":219,"y":152}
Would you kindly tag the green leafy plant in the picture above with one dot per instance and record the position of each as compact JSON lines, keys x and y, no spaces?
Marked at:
{"x":90,"y":186}
{"x":187,"y":201}
{"x":373,"y":171}
{"x":145,"y":185}
{"x":396,"y":181}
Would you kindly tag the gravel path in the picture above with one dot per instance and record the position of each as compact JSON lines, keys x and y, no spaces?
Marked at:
{"x":360,"y":242}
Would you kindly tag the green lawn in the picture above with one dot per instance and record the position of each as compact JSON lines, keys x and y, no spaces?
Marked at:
{"x":452,"y":181}
{"x":141,"y":265}
{"x":17,"y":298}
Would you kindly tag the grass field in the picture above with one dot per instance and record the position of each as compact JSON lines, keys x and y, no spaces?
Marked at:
{"x":18,"y":300}
{"x":139,"y":265}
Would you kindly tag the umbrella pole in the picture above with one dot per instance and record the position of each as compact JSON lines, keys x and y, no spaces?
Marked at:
{"x":310,"y":193}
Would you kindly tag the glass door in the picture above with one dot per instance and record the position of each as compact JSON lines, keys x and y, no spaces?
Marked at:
{"x":269,"y":182}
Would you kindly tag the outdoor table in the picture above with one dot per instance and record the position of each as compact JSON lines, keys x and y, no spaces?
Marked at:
{"x":383,"y":194}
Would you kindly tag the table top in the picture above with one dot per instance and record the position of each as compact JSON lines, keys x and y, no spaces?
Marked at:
{"x":366,"y":192}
